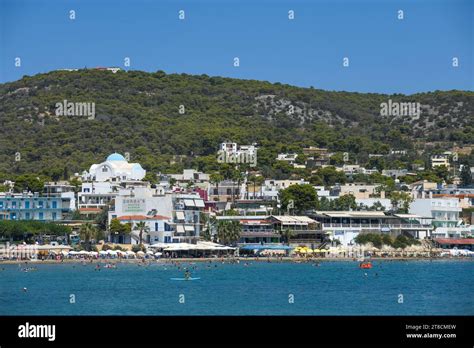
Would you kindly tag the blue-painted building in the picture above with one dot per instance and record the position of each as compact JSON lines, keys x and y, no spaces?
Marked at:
{"x":28,"y":206}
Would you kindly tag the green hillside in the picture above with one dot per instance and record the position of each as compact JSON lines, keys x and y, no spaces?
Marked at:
{"x":138,"y":112}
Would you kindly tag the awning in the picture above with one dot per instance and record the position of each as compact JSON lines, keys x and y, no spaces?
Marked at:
{"x":180,"y":228}
{"x":189,"y":203}
{"x":180,"y":215}
{"x":189,"y":228}
{"x":199,"y":203}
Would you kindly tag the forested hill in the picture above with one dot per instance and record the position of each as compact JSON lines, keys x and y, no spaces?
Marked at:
{"x":139,"y":113}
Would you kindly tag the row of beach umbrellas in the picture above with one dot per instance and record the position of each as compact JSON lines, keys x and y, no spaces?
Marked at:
{"x":127,"y":253}
{"x":306,"y":250}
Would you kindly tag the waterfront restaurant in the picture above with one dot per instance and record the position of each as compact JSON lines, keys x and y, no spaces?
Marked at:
{"x":455,"y":243}
{"x":346,"y":225}
{"x":304,"y":229}
{"x":257,"y":229}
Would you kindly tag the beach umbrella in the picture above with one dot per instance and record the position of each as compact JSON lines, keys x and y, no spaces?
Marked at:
{"x":64,"y":253}
{"x":73,"y":252}
{"x":103,"y":252}
{"x":94,"y":253}
{"x":158,"y":254}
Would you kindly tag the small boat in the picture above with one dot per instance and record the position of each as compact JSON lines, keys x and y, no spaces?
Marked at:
{"x":185,"y":278}
{"x":365,"y":265}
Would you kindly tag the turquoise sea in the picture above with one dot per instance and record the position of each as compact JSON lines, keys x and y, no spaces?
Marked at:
{"x":261,"y":288}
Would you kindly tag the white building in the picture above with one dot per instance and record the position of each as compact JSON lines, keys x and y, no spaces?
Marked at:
{"x":441,"y":160}
{"x":347,"y":225}
{"x":287,"y":157}
{"x":358,"y":190}
{"x":445,"y":214}
{"x":96,"y":195}
{"x":180,"y":211}
{"x":270,"y":188}
{"x":115,"y":168}
{"x":191,"y":176}
{"x":234,"y":149}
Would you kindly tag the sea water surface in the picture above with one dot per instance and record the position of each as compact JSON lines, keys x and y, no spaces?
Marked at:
{"x":435,"y":287}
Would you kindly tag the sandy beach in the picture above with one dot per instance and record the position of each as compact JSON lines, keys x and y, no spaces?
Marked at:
{"x":232,"y":260}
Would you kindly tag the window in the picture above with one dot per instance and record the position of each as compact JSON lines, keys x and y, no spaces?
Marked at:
{"x":40,"y":216}
{"x":54,"y":216}
{"x":13,"y":205}
{"x":27,"y":216}
{"x":27,"y":205}
{"x":1,"y":204}
{"x":55,"y":204}
{"x":156,"y":226}
{"x":105,"y":169}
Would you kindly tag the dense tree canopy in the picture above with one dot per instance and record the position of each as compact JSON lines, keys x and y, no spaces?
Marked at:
{"x":139,"y":113}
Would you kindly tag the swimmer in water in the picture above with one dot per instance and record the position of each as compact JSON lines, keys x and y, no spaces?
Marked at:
{"x":25,"y":289}
{"x":187,"y":275}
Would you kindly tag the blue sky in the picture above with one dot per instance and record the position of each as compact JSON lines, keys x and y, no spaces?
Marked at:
{"x":386,"y":55}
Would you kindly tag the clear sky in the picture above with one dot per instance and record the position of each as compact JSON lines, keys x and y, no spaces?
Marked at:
{"x":386,"y":55}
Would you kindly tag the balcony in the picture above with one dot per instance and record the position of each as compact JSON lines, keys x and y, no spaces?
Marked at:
{"x":445,"y":208}
{"x":378,"y":226}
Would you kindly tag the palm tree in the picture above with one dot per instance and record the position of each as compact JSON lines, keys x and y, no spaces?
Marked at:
{"x":87,"y":231}
{"x":260,"y":181}
{"x":253,"y":179}
{"x":228,"y":232}
{"x":141,"y":227}
{"x":239,"y":177}
{"x":216,"y":178}
{"x":235,"y":228}
{"x":286,"y":234}
{"x":222,"y":229}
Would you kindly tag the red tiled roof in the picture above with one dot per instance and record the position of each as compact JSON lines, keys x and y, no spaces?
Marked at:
{"x":132,"y":217}
{"x":467,"y":241}
{"x":459,"y":195}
